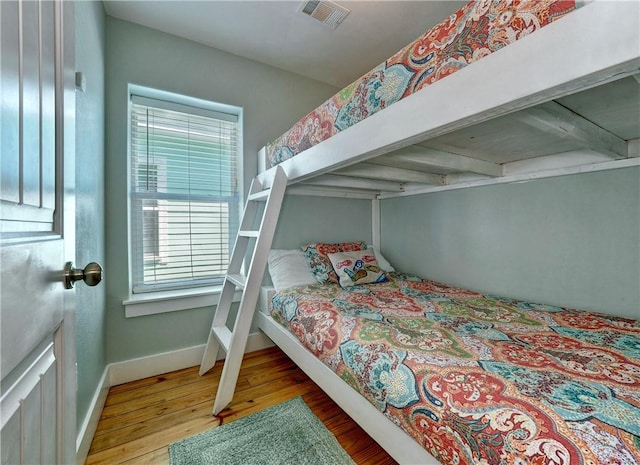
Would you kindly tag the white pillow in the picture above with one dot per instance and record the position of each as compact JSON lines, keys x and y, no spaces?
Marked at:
{"x":382,"y":262}
{"x":289,"y":268}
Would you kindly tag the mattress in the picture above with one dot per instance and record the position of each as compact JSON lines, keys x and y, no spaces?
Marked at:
{"x":477,"y":30}
{"x":479,"y":379}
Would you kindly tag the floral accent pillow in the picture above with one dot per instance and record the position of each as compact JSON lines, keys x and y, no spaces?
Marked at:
{"x":358,"y":267}
{"x":316,"y":256}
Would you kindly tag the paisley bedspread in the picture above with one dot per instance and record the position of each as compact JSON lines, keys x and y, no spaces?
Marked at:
{"x":479,"y":379}
{"x":473,"y":32}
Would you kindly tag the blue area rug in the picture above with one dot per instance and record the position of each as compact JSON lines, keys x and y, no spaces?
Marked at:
{"x":285,"y":434}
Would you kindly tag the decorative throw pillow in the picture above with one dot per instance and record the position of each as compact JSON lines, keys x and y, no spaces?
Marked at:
{"x":319,"y":263}
{"x":359,"y":267}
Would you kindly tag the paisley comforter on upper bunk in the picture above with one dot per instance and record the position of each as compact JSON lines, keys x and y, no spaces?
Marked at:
{"x":473,"y":32}
{"x":479,"y":379}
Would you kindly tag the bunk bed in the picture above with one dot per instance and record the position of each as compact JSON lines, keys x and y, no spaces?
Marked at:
{"x":556,"y":93}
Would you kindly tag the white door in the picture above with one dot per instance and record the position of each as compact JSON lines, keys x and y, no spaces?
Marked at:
{"x":37,"y":232}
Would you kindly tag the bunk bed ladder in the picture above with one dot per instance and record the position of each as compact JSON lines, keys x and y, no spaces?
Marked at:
{"x":233,"y":341}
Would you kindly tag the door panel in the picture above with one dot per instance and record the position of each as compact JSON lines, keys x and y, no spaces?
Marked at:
{"x":26,"y":280}
{"x":48,"y":108}
{"x":29,"y":407}
{"x":10,"y":438}
{"x":30,"y":104}
{"x":9,"y":95}
{"x":37,"y":224}
{"x":28,"y":70}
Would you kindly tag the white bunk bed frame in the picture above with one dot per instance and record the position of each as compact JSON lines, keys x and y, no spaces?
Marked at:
{"x":608,"y":50}
{"x":398,"y":143}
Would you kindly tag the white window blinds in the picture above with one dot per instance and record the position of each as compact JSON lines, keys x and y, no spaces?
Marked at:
{"x":184,"y":198}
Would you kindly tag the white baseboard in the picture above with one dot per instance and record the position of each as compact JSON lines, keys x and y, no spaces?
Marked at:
{"x":144,"y":367}
{"x":152,"y":365}
{"x":90,"y":423}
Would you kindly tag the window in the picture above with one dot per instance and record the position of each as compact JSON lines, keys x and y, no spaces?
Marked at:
{"x":184,"y":190}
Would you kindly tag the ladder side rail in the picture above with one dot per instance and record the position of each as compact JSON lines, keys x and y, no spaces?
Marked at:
{"x":237,"y":256}
{"x":233,"y":361}
{"x":248,"y":217}
{"x":226,"y":299}
{"x":223,"y":307}
{"x":210,"y":354}
{"x":221,"y":313}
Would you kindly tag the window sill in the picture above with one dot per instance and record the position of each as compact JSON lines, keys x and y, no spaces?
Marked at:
{"x":170,"y":301}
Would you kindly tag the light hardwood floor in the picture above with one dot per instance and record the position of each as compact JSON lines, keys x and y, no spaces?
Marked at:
{"x":140,"y":419}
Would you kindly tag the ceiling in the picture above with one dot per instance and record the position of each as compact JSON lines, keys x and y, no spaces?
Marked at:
{"x":277,"y":34}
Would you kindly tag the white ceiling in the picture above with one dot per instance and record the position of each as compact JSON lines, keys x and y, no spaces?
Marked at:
{"x":276,"y":33}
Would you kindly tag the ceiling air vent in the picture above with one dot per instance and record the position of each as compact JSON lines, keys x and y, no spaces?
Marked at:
{"x":325,"y":11}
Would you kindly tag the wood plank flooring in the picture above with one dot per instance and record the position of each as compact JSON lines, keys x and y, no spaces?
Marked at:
{"x":140,"y":419}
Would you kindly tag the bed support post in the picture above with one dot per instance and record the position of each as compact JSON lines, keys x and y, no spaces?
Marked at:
{"x":375,"y":223}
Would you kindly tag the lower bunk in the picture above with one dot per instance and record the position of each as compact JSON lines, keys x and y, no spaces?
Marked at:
{"x":437,"y":374}
{"x":392,"y":439}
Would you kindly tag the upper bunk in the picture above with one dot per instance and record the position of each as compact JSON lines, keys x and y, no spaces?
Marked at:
{"x":549,"y":101}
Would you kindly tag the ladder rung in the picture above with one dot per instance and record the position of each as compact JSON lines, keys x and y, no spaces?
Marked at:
{"x":247,"y":233}
{"x":260,"y":195}
{"x":237,"y":279}
{"x":223,"y":335}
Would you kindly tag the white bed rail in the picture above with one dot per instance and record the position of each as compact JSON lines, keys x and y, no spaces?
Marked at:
{"x":596,"y":44}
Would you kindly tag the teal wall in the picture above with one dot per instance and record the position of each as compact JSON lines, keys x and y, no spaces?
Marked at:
{"x":571,"y":241}
{"x":322,"y":219}
{"x":90,"y":240}
{"x":271,"y":100}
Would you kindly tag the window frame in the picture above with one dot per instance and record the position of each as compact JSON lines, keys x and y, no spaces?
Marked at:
{"x":187,"y":294}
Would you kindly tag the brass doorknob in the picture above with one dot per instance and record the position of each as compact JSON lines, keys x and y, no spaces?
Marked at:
{"x":91,"y":274}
